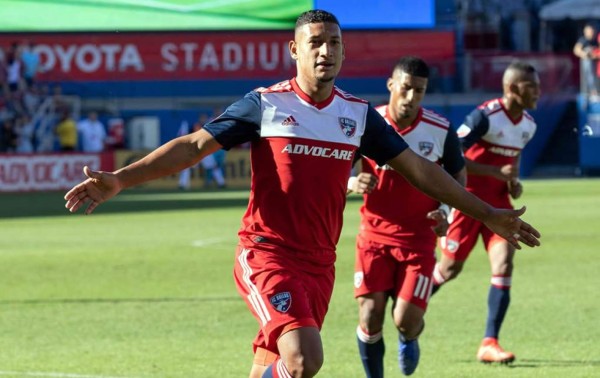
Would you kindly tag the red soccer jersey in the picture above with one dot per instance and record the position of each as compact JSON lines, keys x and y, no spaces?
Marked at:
{"x":395,"y":213}
{"x":490,"y":136}
{"x":301,"y":155}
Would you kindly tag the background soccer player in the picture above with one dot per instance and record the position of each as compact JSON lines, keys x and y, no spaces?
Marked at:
{"x":493,"y":136}
{"x":284,"y":267}
{"x":395,"y":249}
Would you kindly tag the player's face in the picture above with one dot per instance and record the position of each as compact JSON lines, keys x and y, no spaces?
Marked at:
{"x":589,"y":32}
{"x":319,"y":51}
{"x":406,"y":94}
{"x":528,"y":91}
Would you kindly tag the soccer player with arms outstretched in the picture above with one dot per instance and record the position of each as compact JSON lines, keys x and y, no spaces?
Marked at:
{"x":284,"y":266}
{"x":493,"y":136}
{"x":395,"y":248}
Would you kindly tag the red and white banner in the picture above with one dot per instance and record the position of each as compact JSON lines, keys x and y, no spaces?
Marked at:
{"x":20,"y":173}
{"x":219,"y":55}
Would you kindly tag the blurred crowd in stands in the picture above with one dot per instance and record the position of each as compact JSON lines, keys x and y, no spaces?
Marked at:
{"x":516,"y":22}
{"x":587,"y":49}
{"x":29,"y":111}
{"x":37,"y":117}
{"x":20,"y":97}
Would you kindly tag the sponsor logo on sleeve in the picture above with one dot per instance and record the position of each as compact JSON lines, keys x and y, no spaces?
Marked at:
{"x":463,"y":131}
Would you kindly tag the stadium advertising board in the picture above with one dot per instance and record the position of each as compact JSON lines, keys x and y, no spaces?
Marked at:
{"x":219,"y":55}
{"x":42,"y":172}
{"x":237,"y":170}
{"x":19,"y":173}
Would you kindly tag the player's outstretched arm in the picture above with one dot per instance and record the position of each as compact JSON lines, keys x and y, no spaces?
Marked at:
{"x":436,"y":183}
{"x":167,"y":159}
{"x":97,"y":188}
{"x":508,"y":224}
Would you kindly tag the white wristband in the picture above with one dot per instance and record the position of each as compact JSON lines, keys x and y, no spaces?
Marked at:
{"x":445,"y":208}
{"x":351,"y":182}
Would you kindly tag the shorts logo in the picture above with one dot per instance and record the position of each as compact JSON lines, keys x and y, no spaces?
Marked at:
{"x":358,"y":279}
{"x":348,"y":126}
{"x":426,"y":148}
{"x":452,"y":245}
{"x":281,"y":301}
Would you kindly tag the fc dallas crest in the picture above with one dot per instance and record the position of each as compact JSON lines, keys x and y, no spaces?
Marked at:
{"x":348,"y":126}
{"x":425,"y":148}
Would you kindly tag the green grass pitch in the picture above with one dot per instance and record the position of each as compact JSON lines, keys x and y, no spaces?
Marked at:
{"x":143,"y":288}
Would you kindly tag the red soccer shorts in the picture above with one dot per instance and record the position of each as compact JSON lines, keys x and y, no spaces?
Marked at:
{"x":399,"y":271}
{"x":462,"y":236}
{"x":284,"y":291}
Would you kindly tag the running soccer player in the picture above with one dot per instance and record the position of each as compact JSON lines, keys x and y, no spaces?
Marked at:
{"x":284,"y":267}
{"x":493,"y":136}
{"x":395,"y":248}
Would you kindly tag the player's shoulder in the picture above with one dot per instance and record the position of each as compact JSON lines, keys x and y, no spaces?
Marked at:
{"x":281,"y":87}
{"x":348,"y":97}
{"x":490,"y":107}
{"x":381,"y":109}
{"x":528,"y":117}
{"x":435,"y":119}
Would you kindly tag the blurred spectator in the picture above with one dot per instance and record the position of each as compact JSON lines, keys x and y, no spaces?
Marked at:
{"x":24,"y":130}
{"x":212,"y":172}
{"x":4,"y":113}
{"x":14,"y":68}
{"x":31,"y":62}
{"x":8,"y":138}
{"x":66,"y":130}
{"x":92,"y":133}
{"x":186,"y":174}
{"x":596,"y":56}
{"x":14,"y":104}
{"x":44,"y":91}
{"x":584,"y":49}
{"x":116,"y":133}
{"x":57,"y":97}
{"x":3,"y":85}
{"x":32,"y":99}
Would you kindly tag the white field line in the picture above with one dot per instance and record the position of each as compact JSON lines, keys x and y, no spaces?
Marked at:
{"x":54,"y":374}
{"x":174,"y":7}
{"x":205,"y":242}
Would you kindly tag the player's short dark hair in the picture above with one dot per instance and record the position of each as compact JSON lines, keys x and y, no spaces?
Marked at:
{"x":518,"y":71}
{"x":413,"y":66}
{"x":521,"y":66}
{"x":314,"y":16}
